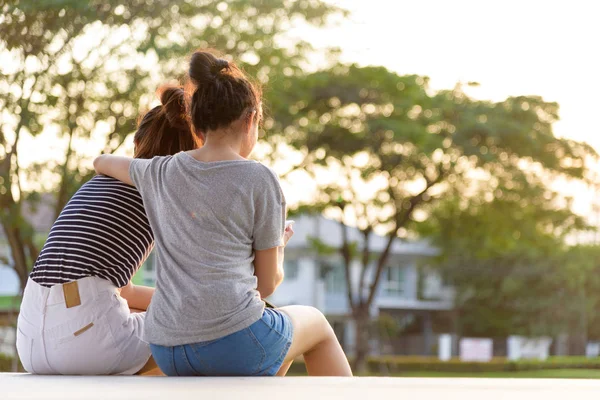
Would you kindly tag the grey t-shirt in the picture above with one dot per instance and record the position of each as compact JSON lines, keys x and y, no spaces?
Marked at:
{"x":207,"y":218}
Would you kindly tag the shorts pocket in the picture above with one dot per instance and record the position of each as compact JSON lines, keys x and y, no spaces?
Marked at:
{"x":238,"y":354}
{"x":89,"y":348}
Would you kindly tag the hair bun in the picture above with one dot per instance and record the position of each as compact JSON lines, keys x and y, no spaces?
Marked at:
{"x":173,"y":104}
{"x":205,"y":67}
{"x":219,"y":65}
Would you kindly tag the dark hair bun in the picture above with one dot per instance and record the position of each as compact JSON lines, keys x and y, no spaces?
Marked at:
{"x":205,"y":67}
{"x":221,"y":92}
{"x":173,"y":104}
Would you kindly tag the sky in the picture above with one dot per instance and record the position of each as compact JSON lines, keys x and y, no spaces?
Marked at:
{"x":528,"y":47}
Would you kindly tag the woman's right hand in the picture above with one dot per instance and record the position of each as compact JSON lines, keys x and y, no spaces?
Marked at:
{"x":287,"y":234}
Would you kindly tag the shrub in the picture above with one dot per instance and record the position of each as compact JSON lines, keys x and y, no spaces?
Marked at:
{"x":499,"y":364}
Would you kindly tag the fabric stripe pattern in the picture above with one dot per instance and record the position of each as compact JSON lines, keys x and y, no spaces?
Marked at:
{"x":103,"y":231}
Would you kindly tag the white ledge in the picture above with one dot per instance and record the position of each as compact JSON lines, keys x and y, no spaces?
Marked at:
{"x":25,"y":386}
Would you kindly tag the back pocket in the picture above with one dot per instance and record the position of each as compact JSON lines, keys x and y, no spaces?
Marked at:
{"x":239,"y":354}
{"x":83,"y":347}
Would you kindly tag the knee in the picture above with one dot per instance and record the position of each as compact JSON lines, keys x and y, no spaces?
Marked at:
{"x":323,"y":323}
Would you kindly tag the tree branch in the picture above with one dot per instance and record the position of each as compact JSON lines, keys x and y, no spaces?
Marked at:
{"x":345,"y":250}
{"x":402,"y":218}
{"x":366,"y":255}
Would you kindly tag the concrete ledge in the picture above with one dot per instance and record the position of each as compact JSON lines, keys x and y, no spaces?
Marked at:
{"x":25,"y":386}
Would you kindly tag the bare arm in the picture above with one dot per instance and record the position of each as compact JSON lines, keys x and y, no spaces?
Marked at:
{"x":268,"y":266}
{"x":114,"y":166}
{"x":138,"y":297}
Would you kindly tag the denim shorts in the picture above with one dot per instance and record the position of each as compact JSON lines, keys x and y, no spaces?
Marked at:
{"x":258,"y":350}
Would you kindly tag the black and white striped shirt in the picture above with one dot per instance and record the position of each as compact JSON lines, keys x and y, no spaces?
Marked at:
{"x":103,"y":231}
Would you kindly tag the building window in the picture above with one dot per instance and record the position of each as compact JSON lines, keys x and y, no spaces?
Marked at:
{"x":290,"y":268}
{"x":393,"y":280}
{"x":148,"y":270}
{"x":334,"y":275}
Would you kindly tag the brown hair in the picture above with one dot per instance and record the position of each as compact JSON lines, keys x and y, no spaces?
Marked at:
{"x":165,"y":129}
{"x":221,"y":92}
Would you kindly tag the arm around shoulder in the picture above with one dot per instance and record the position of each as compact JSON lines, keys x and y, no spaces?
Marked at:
{"x":114,"y":166}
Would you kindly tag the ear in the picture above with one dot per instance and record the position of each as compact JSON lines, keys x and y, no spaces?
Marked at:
{"x":250,"y":121}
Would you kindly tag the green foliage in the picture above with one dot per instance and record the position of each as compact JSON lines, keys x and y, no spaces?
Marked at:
{"x":477,"y":172}
{"x":403,"y":154}
{"x":400,"y":364}
{"x":509,"y":264}
{"x":370,"y":123}
{"x":321,"y":247}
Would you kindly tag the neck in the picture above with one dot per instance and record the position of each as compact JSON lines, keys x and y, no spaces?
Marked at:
{"x":219,"y":146}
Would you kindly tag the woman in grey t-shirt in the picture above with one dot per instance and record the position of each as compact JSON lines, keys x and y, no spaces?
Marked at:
{"x":218,"y":220}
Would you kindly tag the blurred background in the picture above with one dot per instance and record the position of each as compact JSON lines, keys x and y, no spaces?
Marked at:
{"x":439,"y":158}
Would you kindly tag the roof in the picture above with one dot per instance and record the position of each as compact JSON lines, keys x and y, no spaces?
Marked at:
{"x":329,"y":232}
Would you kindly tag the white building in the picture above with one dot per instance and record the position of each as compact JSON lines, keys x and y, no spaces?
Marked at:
{"x":408,"y":292}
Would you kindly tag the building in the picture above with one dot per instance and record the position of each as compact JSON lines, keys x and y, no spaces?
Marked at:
{"x":411,"y":297}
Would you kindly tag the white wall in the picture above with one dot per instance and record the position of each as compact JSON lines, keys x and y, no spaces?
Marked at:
{"x":9,"y":281}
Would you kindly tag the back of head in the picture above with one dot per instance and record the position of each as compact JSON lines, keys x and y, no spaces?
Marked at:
{"x":222,"y":93}
{"x":165,"y":129}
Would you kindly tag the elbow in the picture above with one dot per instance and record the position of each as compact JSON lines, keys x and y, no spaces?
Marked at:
{"x":98,"y":163}
{"x":267,"y":289}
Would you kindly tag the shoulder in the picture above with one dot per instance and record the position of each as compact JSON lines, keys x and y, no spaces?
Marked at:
{"x":101,"y":182}
{"x":265,"y":180}
{"x":261,"y":174}
{"x":155,"y":163}
{"x":158,"y":160}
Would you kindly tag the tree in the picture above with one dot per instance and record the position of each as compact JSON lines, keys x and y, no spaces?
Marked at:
{"x":508,"y":262}
{"x":397,"y":148}
{"x":82,"y":70}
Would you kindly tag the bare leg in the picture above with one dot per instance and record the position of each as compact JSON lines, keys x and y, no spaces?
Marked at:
{"x":283,"y":370}
{"x":315,"y":340}
{"x":151,"y":368}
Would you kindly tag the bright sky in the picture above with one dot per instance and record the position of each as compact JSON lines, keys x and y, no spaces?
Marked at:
{"x":510,"y":47}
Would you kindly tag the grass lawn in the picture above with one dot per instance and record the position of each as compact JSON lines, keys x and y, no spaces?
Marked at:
{"x":548,"y":373}
{"x":8,"y":302}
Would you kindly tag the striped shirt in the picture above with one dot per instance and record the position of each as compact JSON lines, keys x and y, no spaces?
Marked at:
{"x":103,"y":231}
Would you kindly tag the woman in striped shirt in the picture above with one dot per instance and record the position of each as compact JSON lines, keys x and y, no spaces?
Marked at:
{"x":75,"y":317}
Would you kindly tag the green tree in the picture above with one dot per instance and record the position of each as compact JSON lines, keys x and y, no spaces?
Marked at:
{"x":397,"y":148}
{"x":508,"y":261}
{"x":578,"y":283}
{"x":82,"y":70}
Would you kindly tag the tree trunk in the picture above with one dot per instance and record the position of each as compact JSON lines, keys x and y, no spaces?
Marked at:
{"x":361,"y":320}
{"x":63,"y":192}
{"x":16,"y":228}
{"x":17,"y":249}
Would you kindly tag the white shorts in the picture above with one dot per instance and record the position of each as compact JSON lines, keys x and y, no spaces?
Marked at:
{"x":95,"y":335}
